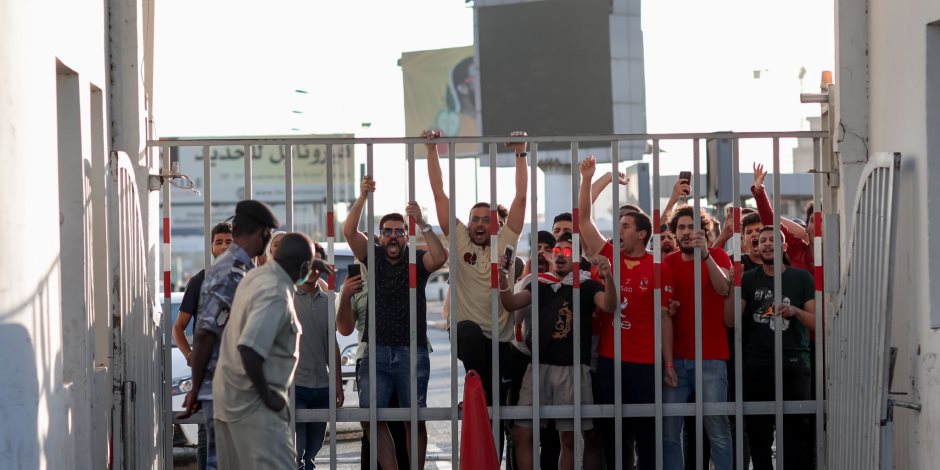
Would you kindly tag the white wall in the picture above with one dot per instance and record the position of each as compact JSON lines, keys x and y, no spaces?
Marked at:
{"x":894,"y":104}
{"x":54,"y":138}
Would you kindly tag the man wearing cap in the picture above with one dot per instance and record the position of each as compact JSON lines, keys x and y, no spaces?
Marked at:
{"x":257,"y":360}
{"x":251,"y":231}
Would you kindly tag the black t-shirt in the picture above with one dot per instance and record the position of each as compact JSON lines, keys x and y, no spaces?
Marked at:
{"x":748,"y":264}
{"x":392,"y":300}
{"x":190,"y":302}
{"x":758,"y":322}
{"x":556,"y":323}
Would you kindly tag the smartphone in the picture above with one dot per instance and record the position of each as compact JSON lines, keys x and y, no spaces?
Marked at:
{"x":687,"y":176}
{"x":353,"y":270}
{"x":510,"y":252}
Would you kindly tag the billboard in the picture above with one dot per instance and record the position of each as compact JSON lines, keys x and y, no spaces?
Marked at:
{"x":227,"y":172}
{"x":440,"y":93}
{"x":545,"y":67}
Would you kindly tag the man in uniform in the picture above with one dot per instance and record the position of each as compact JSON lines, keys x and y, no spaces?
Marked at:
{"x":251,"y":229}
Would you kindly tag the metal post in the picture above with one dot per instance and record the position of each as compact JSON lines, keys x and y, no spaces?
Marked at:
{"x":617,"y":321}
{"x":778,"y":320}
{"x":413,"y":311}
{"x":576,"y":300}
{"x":167,"y":317}
{"x":697,"y":276}
{"x":738,"y":272}
{"x":534,"y":243}
{"x":453,"y":278}
{"x":657,"y":315}
{"x":289,"y":184}
{"x":370,"y":324}
{"x":818,"y":188}
{"x":331,"y":295}
{"x":248,"y":156}
{"x":207,"y":202}
{"x":494,"y":291}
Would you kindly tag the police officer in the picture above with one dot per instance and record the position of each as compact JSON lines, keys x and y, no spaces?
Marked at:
{"x":251,"y":229}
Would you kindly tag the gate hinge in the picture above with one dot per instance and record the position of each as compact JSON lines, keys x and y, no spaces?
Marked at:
{"x":155,"y":181}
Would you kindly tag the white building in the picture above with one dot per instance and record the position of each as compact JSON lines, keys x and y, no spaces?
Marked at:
{"x":888,"y":95}
{"x":72,"y":88}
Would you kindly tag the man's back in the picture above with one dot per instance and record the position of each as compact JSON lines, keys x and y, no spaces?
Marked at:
{"x":263,"y":319}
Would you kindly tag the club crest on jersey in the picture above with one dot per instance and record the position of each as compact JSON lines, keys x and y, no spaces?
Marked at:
{"x":644,"y":284}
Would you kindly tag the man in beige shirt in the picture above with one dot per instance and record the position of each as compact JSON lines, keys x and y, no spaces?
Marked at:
{"x":257,"y":359}
{"x":474,"y":274}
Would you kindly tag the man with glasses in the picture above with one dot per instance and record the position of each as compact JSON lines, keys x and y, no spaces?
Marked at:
{"x":251,"y":232}
{"x":391,"y":353}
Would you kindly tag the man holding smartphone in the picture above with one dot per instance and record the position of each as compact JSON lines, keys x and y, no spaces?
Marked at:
{"x":391,"y":353}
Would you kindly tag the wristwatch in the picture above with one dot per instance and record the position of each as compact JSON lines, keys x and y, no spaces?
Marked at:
{"x":427,"y":228}
{"x":521,"y":154}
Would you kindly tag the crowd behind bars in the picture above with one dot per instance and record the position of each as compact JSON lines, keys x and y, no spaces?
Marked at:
{"x":262,"y":326}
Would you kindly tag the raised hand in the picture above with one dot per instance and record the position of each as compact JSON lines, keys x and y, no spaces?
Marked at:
{"x":367,"y":186}
{"x":759,"y":175}
{"x":588,"y":166}
{"x":414,"y":210}
{"x":518,"y":147}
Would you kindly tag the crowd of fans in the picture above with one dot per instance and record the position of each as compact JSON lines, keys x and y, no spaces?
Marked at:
{"x":262,"y":326}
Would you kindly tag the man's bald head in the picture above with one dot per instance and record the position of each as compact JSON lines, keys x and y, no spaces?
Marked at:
{"x":295,"y":250}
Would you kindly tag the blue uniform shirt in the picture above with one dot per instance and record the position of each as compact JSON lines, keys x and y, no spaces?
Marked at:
{"x":215,"y":302}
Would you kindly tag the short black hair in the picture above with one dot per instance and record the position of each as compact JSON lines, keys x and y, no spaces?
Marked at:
{"x":809,"y":212}
{"x":295,"y":249}
{"x":631,"y":208}
{"x":391,"y":216}
{"x":642,"y":222}
{"x":564,"y":237}
{"x":480,"y":204}
{"x":318,"y":250}
{"x":750,"y":219}
{"x":564,"y":216}
{"x":221,"y":227}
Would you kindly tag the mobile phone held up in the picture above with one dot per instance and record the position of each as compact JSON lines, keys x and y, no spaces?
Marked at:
{"x":687,"y":176}
{"x":509,"y":254}
{"x":353,"y":270}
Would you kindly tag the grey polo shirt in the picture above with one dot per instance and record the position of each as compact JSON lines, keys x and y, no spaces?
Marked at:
{"x":264,"y":320}
{"x":313,"y":314}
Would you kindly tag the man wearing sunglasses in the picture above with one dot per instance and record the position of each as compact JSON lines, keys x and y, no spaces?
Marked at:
{"x":556,"y":344}
{"x":391,"y":353}
{"x":251,"y":231}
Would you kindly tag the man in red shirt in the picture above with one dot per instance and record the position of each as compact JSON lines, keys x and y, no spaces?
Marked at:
{"x":636,"y":325}
{"x":715,"y":286}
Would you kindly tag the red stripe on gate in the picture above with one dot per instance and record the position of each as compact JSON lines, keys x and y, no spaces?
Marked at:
{"x":411,"y":226}
{"x":329,"y":224}
{"x":656,"y":222}
{"x":412,"y":276}
{"x":738,"y":272}
{"x":657,"y":282}
{"x":575,"y":225}
{"x":494,"y":221}
{"x":331,"y":281}
{"x":494,"y":276}
{"x":166,"y":284}
{"x":819,"y":224}
{"x":166,"y":230}
{"x":818,"y":274}
{"x":736,"y":219}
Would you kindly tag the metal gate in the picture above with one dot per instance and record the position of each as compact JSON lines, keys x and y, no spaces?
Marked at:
{"x":137,"y":436}
{"x":858,"y":331}
{"x":657,"y":409}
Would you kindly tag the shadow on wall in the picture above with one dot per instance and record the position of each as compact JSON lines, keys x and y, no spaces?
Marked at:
{"x":19,"y":394}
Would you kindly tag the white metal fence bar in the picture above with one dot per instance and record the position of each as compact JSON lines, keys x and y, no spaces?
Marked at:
{"x":454,"y":279}
{"x":372,"y":317}
{"x":412,"y":312}
{"x":778,"y":299}
{"x":331,"y":300}
{"x":738,"y":272}
{"x":576,"y":299}
{"x":657,"y":313}
{"x":617,"y":320}
{"x":536,"y":342}
{"x":697,"y":276}
{"x":496,"y":378}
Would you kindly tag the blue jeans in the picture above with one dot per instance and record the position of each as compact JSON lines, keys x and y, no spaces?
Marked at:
{"x":310,"y":435}
{"x":714,"y":390}
{"x":212,"y":459}
{"x":393,"y":374}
